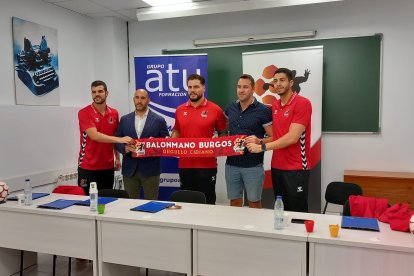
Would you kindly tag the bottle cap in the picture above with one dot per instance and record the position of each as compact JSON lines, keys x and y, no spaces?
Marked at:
{"x":92,"y":187}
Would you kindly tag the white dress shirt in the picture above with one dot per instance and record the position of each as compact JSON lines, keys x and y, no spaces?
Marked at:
{"x":140,"y":122}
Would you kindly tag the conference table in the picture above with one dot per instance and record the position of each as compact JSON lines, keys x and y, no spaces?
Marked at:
{"x":243,"y":241}
{"x":199,"y":240}
{"x":128,"y":239}
{"x":359,"y":252}
{"x":224,"y":240}
{"x":70,"y":232}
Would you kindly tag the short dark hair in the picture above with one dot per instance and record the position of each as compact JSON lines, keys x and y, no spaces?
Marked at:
{"x":285,"y":71}
{"x":99,"y":82}
{"x":248,"y":77}
{"x":196,"y":77}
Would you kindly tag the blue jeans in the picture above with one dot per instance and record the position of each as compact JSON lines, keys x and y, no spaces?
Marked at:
{"x":249,"y":179}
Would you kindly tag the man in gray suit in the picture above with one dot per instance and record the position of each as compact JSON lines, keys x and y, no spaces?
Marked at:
{"x":143,"y":171}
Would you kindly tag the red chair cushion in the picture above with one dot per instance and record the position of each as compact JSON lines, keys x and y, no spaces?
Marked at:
{"x":69,"y":190}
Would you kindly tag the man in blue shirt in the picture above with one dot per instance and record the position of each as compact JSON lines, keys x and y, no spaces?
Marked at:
{"x":249,"y":117}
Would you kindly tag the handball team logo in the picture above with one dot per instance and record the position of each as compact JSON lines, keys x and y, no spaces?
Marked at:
{"x":140,"y":149}
{"x":239,"y":145}
{"x":264,"y":89}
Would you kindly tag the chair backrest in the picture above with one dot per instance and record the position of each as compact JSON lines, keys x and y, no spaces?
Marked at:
{"x":188,"y":196}
{"x":69,"y":190}
{"x":346,"y":211}
{"x":113,"y":193}
{"x":339,"y":192}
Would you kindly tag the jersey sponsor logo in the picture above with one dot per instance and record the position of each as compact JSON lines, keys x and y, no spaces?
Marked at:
{"x":97,"y":120}
{"x":204,"y":114}
{"x":286,"y":114}
{"x":185,"y":113}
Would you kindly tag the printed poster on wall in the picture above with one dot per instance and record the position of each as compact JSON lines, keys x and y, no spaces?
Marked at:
{"x":307,"y":67}
{"x":35,"y":50}
{"x":165,"y":79}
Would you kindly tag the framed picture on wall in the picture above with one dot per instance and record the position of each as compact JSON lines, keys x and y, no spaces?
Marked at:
{"x":35,"y":51}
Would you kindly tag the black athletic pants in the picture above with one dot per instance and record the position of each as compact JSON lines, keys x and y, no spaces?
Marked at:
{"x":202,"y":180}
{"x":293,"y":187}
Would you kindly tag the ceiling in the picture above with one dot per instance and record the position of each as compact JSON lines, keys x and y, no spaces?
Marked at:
{"x":123,"y":9}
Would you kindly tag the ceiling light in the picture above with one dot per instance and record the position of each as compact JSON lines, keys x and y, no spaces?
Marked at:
{"x":156,"y":3}
{"x":208,"y":7}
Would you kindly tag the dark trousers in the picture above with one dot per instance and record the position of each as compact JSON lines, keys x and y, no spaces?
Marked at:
{"x":293,"y":187}
{"x":202,"y":180}
{"x":104,"y":179}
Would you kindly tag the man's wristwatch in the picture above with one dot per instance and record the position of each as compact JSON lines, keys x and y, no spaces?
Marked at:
{"x":263,"y":147}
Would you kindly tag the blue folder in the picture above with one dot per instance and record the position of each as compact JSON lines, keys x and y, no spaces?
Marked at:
{"x":152,"y":206}
{"x":34,"y":196}
{"x":101,"y":200}
{"x":370,"y":224}
{"x":59,"y":204}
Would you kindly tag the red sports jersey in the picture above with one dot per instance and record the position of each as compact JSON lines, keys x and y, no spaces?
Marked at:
{"x":94,"y":155}
{"x":199,"y":122}
{"x":297,"y":110}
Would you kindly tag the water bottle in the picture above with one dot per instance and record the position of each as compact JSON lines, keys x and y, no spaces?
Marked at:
{"x":27,"y":193}
{"x":93,"y":196}
{"x":279,"y":213}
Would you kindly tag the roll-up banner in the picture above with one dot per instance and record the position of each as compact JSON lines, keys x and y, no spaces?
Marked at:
{"x":165,"y":79}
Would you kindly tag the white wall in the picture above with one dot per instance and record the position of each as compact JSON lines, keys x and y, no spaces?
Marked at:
{"x":41,"y":141}
{"x":111,"y":60}
{"x":389,"y":151}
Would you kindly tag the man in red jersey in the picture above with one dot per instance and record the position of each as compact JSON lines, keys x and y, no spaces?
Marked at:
{"x":97,"y":124}
{"x":291,"y":147}
{"x":198,"y":118}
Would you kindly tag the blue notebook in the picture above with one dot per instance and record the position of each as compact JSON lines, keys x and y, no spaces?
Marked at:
{"x":101,"y":200}
{"x":370,"y":224}
{"x":34,"y":196}
{"x":59,"y":204}
{"x":152,"y":206}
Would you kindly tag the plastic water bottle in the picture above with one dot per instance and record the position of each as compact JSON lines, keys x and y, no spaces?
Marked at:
{"x":279,"y":213}
{"x":93,"y":196}
{"x":28,"y":193}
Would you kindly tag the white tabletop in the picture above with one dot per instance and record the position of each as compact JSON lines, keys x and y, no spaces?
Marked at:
{"x":249,"y":221}
{"x":74,"y":211}
{"x":119,"y":211}
{"x":386,"y":239}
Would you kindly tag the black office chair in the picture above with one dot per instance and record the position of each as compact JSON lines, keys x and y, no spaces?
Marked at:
{"x":339,"y":192}
{"x":113,"y":193}
{"x":188,"y":196}
{"x":346,"y":211}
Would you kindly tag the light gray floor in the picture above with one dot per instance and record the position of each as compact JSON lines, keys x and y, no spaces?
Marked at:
{"x":44,"y":267}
